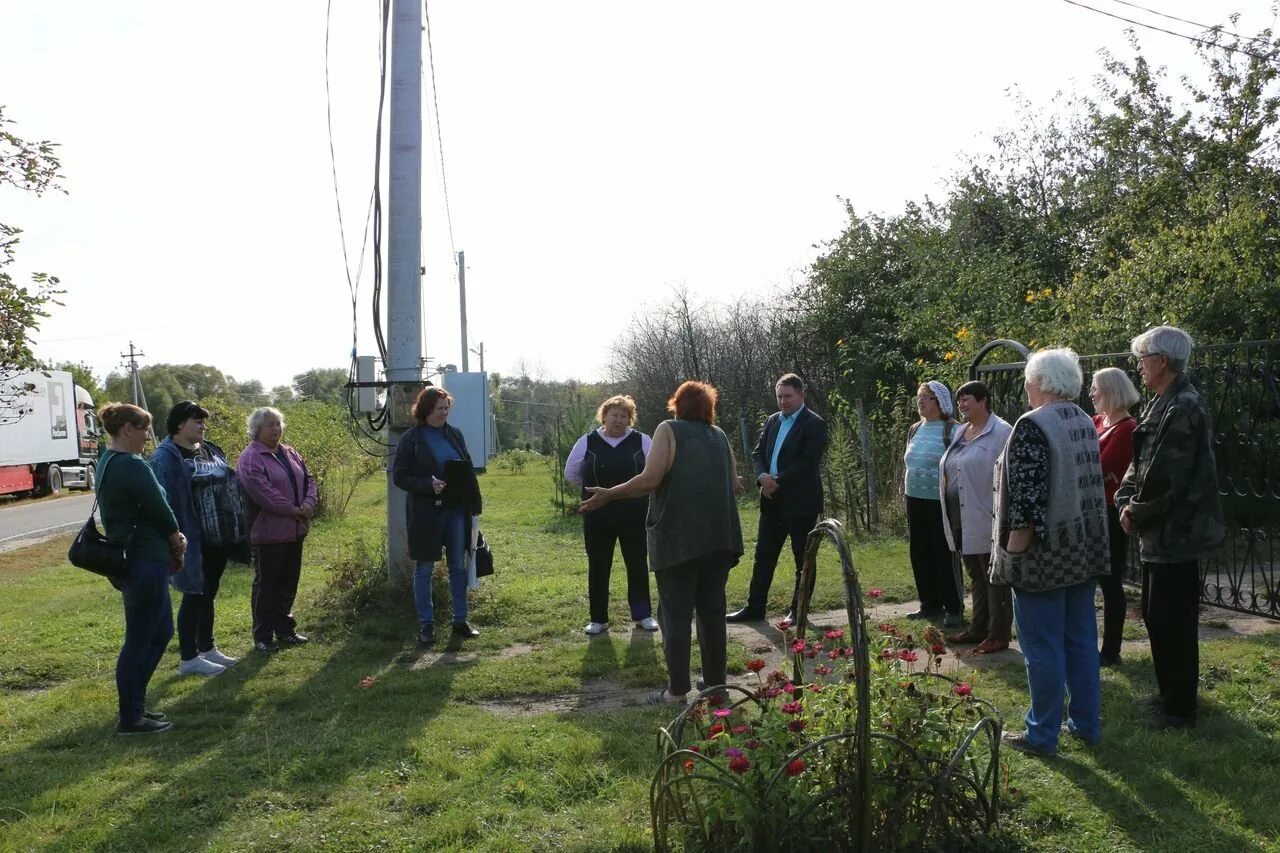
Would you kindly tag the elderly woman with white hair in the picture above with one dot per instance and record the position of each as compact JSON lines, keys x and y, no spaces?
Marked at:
{"x":1113,"y":395}
{"x":282,"y":499}
{"x":1169,"y":498}
{"x":1049,"y":542}
{"x":938,"y":581}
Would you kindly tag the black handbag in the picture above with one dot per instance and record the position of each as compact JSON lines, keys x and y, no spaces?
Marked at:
{"x":94,"y":552}
{"x":484,"y":556}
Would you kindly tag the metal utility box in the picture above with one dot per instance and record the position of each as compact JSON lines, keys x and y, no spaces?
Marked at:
{"x":471,"y":412}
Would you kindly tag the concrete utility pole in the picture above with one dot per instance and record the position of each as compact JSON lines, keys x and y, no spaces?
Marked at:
{"x":139,"y":395}
{"x":404,"y":256}
{"x":480,"y":352}
{"x":462,"y":307}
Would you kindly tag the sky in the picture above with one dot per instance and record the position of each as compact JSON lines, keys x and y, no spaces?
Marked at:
{"x":597,"y":156}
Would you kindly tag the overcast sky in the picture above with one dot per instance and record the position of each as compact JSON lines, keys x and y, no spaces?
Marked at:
{"x":598,"y":154}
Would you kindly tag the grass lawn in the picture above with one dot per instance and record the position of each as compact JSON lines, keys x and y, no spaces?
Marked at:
{"x":450,"y":750}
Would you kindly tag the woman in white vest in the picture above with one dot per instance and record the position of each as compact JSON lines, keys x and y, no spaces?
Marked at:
{"x":1049,"y":542}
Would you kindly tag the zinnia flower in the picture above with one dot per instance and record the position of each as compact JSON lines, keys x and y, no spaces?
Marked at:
{"x":755,"y":665}
{"x":741,"y":730}
{"x":783,"y":626}
{"x":739,"y":764}
{"x":797,"y":725}
{"x":795,"y":767}
{"x":721,"y":713}
{"x":888,"y":654}
{"x":688,"y":765}
{"x":835,"y":635}
{"x":792,"y":707}
{"x":938,"y":649}
{"x":887,"y":628}
{"x":773,"y":693}
{"x":732,"y":752}
{"x":875,"y":593}
{"x":798,"y":645}
{"x":823,"y":670}
{"x":834,"y":654}
{"x":716,"y":729}
{"x":962,"y":689}
{"x":815,"y":687}
{"x":908,"y":656}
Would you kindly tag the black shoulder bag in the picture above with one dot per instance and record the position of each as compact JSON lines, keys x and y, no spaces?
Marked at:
{"x":93,"y":552}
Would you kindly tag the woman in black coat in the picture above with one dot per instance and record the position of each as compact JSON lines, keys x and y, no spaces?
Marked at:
{"x":439,"y":508}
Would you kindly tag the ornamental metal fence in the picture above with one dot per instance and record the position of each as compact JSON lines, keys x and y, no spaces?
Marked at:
{"x":1240,"y":382}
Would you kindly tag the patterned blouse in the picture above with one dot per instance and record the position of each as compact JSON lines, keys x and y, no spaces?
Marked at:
{"x":1028,"y":475}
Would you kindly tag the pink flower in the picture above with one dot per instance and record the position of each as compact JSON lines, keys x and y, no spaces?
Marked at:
{"x":721,"y":713}
{"x":732,"y":752}
{"x":739,"y":764}
{"x":823,"y":670}
{"x":835,"y":635}
{"x":811,"y":652}
{"x":834,"y":654}
{"x":792,"y":707}
{"x":755,"y":665}
{"x":815,"y":687}
{"x":773,"y":692}
{"x":741,"y":730}
{"x":795,"y":767}
{"x":875,"y":593}
{"x":938,"y":649}
{"x":962,"y":689}
{"x":789,"y":688}
{"x":888,"y":654}
{"x":797,"y":725}
{"x":908,"y":657}
{"x":798,"y":646}
{"x":783,"y":626}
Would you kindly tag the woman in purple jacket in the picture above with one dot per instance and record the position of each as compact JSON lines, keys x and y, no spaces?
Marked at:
{"x":282,"y":500}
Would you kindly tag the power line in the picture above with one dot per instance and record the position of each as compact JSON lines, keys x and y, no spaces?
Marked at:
{"x":1195,"y":39}
{"x":435,"y":100}
{"x":1160,"y":14}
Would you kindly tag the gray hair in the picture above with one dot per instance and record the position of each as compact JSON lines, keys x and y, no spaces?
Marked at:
{"x":1168,"y":341}
{"x":1056,"y":372}
{"x":259,"y":416}
{"x":1115,"y":389}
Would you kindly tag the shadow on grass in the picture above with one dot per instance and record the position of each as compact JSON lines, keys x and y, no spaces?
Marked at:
{"x":238,"y":748}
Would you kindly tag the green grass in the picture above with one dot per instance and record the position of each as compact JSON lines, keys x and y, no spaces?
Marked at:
{"x":291,"y":753}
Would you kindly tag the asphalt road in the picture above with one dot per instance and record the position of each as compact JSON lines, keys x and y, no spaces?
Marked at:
{"x":28,"y":523}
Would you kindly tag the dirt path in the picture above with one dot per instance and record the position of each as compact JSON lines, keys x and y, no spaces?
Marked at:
{"x":764,"y":640}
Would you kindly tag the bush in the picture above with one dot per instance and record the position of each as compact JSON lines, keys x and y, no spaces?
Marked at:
{"x":514,"y":461}
{"x":357,"y":577}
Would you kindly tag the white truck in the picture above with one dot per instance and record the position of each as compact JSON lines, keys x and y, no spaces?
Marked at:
{"x":49,"y":434}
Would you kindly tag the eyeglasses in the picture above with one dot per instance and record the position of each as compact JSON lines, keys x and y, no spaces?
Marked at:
{"x":1139,"y":359}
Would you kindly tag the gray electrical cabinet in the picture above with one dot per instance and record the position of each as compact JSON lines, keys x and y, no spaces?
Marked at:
{"x":472,"y":413}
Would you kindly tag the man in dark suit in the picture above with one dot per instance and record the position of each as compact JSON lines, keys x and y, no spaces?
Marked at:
{"x":787,"y":462}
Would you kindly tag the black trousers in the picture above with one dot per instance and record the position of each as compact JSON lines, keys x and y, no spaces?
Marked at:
{"x":276,"y":570}
{"x":694,"y":587}
{"x":938,"y":580}
{"x":601,"y":531}
{"x":774,"y":530}
{"x":195,"y":614}
{"x":1171,"y":609}
{"x":1112,"y":585}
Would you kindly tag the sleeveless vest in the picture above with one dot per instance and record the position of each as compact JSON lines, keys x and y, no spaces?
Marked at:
{"x":605,"y":465}
{"x":694,"y":513}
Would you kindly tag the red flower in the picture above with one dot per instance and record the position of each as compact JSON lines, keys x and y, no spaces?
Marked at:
{"x":755,"y":665}
{"x":773,"y":692}
{"x":783,"y":626}
{"x":811,"y":652}
{"x":938,"y":649}
{"x":823,"y":670}
{"x":753,"y":744}
{"x":835,"y":635}
{"x":798,"y":645}
{"x":741,"y":730}
{"x":962,"y":689}
{"x":815,"y":687}
{"x":875,"y":593}
{"x":694,"y":748}
{"x":715,"y":729}
{"x":888,"y":654}
{"x":908,"y":656}
{"x":792,"y":707}
{"x":795,"y":767}
{"x":797,"y":725}
{"x":716,"y":699}
{"x":888,"y":628}
{"x":834,"y":654}
{"x":739,"y":764}
{"x":688,"y":765}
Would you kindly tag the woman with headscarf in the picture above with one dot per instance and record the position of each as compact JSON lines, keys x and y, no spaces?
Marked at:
{"x":1049,"y":542}
{"x":695,"y":535}
{"x":607,"y":456}
{"x":1113,"y":395}
{"x":938,"y":582}
{"x":134,"y":510}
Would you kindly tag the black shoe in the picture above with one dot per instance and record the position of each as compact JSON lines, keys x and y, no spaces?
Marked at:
{"x":922,"y":613}
{"x":295,"y":639}
{"x":427,"y":634}
{"x":144,"y":727}
{"x":746,"y":614}
{"x":1171,"y":721}
{"x":462,"y":629}
{"x":266,"y":646}
{"x":1108,"y":660}
{"x":158,"y":716}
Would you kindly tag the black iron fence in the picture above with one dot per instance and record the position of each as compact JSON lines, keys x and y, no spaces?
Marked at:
{"x":1241,"y":384}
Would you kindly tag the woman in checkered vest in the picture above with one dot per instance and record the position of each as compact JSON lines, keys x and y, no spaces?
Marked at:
{"x":1049,"y":542}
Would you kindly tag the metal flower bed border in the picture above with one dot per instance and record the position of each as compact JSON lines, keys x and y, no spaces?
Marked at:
{"x":672,"y":800}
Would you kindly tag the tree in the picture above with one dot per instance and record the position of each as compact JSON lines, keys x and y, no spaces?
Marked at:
{"x":83,"y":376}
{"x":30,"y":167}
{"x":324,"y":384}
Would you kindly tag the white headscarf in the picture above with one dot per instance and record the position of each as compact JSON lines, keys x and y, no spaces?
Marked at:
{"x":944,"y":397}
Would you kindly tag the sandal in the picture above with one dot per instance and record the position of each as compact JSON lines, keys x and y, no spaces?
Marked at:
{"x":987,"y":647}
{"x":965,"y":637}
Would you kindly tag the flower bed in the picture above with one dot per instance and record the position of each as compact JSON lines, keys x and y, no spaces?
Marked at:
{"x":865,"y":745}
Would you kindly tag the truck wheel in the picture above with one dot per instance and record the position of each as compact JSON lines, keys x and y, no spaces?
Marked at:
{"x":53,"y":480}
{"x":90,"y":479}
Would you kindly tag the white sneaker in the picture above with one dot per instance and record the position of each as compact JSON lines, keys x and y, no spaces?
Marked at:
{"x":648,"y":623}
{"x":215,"y":656}
{"x":596,"y":627}
{"x":199,"y":666}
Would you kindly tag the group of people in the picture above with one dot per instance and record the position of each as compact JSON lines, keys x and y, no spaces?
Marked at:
{"x":1041,"y":514}
{"x":182,"y":516}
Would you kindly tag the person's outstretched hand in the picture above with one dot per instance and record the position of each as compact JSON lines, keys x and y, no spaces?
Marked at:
{"x":599,"y":497}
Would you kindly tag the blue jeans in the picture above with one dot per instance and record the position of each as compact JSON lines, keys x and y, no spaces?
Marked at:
{"x":148,"y":627}
{"x":453,"y":529}
{"x":1058,"y":634}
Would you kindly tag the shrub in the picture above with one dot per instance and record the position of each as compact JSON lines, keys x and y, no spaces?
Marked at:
{"x":357,"y":577}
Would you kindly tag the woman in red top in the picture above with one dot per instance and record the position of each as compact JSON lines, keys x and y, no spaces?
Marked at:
{"x":1113,"y":395}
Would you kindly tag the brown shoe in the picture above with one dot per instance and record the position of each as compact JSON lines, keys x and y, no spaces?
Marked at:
{"x":966,"y":637}
{"x":987,"y":647}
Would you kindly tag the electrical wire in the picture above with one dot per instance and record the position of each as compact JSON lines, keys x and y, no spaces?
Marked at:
{"x":1195,"y":39}
{"x":377,"y":185}
{"x":435,"y":100}
{"x":1206,"y":27}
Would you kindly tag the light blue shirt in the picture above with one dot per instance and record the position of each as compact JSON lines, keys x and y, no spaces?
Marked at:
{"x":784,"y":427}
{"x":922,"y":457}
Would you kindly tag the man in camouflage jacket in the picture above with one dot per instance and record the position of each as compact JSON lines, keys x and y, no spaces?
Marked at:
{"x":1169,"y":499}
